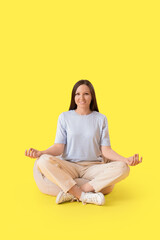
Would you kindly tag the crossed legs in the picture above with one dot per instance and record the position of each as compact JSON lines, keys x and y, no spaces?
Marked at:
{"x":102,"y":176}
{"x":77,"y":191}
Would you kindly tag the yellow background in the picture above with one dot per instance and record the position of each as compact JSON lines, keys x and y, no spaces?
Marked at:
{"x":46,"y":47}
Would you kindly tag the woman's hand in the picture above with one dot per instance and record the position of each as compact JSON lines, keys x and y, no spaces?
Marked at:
{"x":134,"y":160}
{"x":33,"y":153}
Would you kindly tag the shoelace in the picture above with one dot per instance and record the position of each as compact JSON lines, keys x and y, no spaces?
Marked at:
{"x":67,"y":197}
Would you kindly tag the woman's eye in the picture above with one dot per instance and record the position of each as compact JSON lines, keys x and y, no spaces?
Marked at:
{"x":85,"y":94}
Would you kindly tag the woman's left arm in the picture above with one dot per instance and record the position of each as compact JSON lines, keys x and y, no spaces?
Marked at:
{"x":110,"y":154}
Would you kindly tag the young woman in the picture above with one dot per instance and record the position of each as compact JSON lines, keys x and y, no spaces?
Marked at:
{"x":82,"y":149}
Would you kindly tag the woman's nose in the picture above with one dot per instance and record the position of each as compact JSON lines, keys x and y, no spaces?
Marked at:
{"x":81,"y":97}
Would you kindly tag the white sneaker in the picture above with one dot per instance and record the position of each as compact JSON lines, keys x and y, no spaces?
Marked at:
{"x":95,"y":198}
{"x":65,"y":197}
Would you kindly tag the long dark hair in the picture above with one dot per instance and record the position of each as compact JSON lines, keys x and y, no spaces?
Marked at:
{"x":93,"y":104}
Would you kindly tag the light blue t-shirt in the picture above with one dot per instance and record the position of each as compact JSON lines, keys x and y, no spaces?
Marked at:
{"x":82,"y":135}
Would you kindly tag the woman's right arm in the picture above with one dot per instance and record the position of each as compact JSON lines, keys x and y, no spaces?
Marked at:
{"x":55,"y":150}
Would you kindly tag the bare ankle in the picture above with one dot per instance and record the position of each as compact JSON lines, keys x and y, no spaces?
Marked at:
{"x":76,"y":191}
{"x":87,"y":188}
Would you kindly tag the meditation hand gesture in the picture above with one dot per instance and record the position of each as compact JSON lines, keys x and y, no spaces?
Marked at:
{"x":33,"y":153}
{"x":134,"y":160}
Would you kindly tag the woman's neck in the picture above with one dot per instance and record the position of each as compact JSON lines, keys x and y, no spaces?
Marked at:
{"x":83,"y":111}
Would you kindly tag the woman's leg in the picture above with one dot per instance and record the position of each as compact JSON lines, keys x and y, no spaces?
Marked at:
{"x":75,"y":191}
{"x":86,"y":187}
{"x":43,"y":183}
{"x":107,"y":190}
{"x":105,"y":175}
{"x":58,"y":171}
{"x":62,"y":173}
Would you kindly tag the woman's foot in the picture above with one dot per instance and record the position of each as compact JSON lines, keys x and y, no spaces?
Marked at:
{"x":94,"y":198}
{"x":89,"y":197}
{"x":65,"y":197}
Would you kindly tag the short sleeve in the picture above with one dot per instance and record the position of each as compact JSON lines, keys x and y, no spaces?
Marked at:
{"x":105,"y":139}
{"x":61,"y":134}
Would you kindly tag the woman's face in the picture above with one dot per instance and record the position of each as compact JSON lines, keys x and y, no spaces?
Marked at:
{"x":83,"y":96}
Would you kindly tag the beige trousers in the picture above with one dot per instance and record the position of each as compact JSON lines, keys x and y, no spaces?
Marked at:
{"x":100,"y":175}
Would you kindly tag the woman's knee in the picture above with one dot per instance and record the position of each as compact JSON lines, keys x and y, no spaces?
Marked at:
{"x":44,"y":159}
{"x":124,"y":168}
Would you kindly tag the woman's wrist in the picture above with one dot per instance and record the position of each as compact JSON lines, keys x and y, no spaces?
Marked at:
{"x":126,"y":160}
{"x":41,"y":153}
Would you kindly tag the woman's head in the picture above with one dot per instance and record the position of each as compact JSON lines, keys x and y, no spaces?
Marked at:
{"x":83,"y":86}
